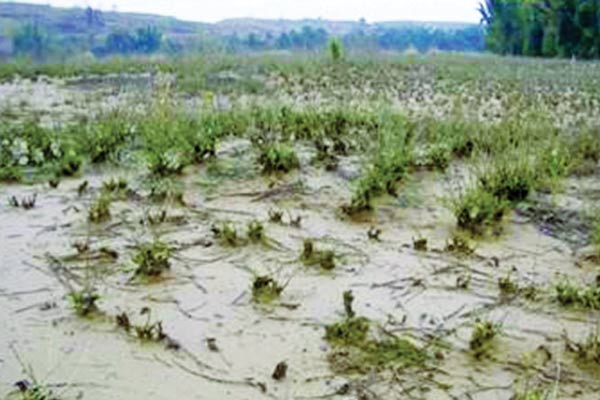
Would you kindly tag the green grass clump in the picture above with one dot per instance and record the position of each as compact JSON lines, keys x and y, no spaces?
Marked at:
{"x":256,"y":232}
{"x":100,"y":209}
{"x":278,"y":158}
{"x":226,"y":234}
{"x":35,"y":391}
{"x":389,"y":166}
{"x":475,"y":209}
{"x":570,"y":295}
{"x":152,"y":259}
{"x":351,"y":331}
{"x":507,"y":285}
{"x":105,"y":137}
{"x":265,"y":290}
{"x":84,"y":302}
{"x":509,"y":178}
{"x":312,"y":257}
{"x":482,"y":336}
{"x":115,"y":185}
{"x":356,"y":352}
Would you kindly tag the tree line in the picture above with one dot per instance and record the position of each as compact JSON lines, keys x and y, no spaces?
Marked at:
{"x":548,"y":28}
{"x":33,"y":41}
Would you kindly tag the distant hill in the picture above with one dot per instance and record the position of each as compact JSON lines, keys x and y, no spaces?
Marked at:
{"x":76,"y":30}
{"x":73,"y":21}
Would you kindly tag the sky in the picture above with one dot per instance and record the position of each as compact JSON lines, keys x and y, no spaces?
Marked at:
{"x":216,"y":10}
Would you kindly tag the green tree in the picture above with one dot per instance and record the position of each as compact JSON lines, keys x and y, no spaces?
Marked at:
{"x":32,"y":41}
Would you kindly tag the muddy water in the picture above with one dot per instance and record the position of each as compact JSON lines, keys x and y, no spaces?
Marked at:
{"x":207,"y":294}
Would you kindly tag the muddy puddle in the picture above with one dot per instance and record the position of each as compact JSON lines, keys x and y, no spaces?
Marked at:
{"x":224,"y":346}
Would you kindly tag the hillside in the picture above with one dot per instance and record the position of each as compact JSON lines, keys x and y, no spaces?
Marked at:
{"x":73,"y":21}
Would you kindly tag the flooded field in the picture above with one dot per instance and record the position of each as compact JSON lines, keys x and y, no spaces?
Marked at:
{"x":414,"y":228}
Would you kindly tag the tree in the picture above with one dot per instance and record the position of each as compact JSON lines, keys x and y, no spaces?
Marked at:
{"x":31,"y":40}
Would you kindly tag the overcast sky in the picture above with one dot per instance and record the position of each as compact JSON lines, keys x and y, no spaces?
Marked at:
{"x":216,"y":10}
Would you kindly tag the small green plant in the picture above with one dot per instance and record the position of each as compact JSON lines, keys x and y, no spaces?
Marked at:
{"x":70,"y":164}
{"x":311,"y":256}
{"x":278,"y":157}
{"x":459,"y":244}
{"x":164,"y":189}
{"x":477,"y":209}
{"x":439,"y":156}
{"x":336,"y":49}
{"x":100,"y":209}
{"x":226,"y":233}
{"x":152,"y":259}
{"x":570,"y":295}
{"x":34,"y":391}
{"x":509,"y":178}
{"x":84,"y":302}
{"x":354,"y":351}
{"x":482,"y":336}
{"x":276,"y":216}
{"x":256,"y":232}
{"x":265,"y":290}
{"x":507,"y":285}
{"x":115,"y":185}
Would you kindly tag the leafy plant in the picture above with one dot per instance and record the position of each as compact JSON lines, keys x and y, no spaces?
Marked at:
{"x":483,"y":334}
{"x":265,"y":289}
{"x":100,"y":209}
{"x":256,"y":231}
{"x":311,"y":256}
{"x":278,"y":158}
{"x":354,"y":351}
{"x":226,"y":234}
{"x":84,"y":302}
{"x":152,"y":259}
{"x":476,"y":208}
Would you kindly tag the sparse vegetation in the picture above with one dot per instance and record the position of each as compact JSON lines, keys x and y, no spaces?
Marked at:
{"x":226,"y":233}
{"x":484,"y":332}
{"x":278,"y":158}
{"x":404,"y":142}
{"x":265,"y":290}
{"x":312,"y":257}
{"x":355,"y":351}
{"x":152,"y":259}
{"x":84,"y":302}
{"x":100,"y":209}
